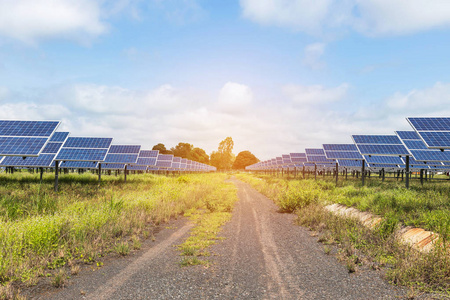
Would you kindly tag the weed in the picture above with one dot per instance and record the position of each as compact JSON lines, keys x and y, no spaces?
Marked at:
{"x":59,"y":280}
{"x":122,"y":248}
{"x":74,"y":270}
{"x":136,"y":242}
{"x":192,"y":261}
{"x":327,"y":250}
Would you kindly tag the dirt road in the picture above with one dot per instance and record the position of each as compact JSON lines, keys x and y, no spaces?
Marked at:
{"x":263,"y":256}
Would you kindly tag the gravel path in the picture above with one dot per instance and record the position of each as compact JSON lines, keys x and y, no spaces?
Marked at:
{"x":264,"y":256}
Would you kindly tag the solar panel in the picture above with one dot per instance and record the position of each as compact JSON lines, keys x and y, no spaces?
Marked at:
{"x":164,"y":161}
{"x":342,"y":152}
{"x":44,"y":160}
{"x":389,"y":145}
{"x":123,"y":154}
{"x":87,"y":142}
{"x":149,"y":153}
{"x":79,"y":165}
{"x":124,"y":149}
{"x":413,"y":142}
{"x":137,"y":168}
{"x":28,"y":128}
{"x":435,"y":132}
{"x":310,"y":151}
{"x":340,"y":147}
{"x":84,"y":149}
{"x":350,"y":163}
{"x":113,"y":166}
{"x":431,"y":156}
{"x":384,"y":160}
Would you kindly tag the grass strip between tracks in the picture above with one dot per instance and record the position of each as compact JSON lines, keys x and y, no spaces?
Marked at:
{"x":209,"y":219}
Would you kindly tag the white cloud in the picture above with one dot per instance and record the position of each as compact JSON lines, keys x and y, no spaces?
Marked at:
{"x":370,"y":17}
{"x":305,"y":15}
{"x":235,"y":98}
{"x":312,"y":56}
{"x":30,"y":21}
{"x":315,"y":94}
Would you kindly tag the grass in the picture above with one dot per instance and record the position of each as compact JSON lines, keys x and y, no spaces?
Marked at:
{"x":427,"y":207}
{"x":214,"y":212}
{"x":85,"y":220}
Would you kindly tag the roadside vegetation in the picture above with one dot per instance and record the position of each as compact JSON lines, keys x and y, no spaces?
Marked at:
{"x":208,"y":219}
{"x":427,"y":207}
{"x":48,"y":234}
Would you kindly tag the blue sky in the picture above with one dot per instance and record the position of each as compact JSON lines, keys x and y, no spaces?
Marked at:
{"x":275,"y":75}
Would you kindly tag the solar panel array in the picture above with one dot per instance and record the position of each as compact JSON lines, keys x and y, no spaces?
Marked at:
{"x":342,"y":152}
{"x":44,"y":160}
{"x":121,"y":155}
{"x":389,"y":145}
{"x":424,"y":148}
{"x":435,"y":132}
{"x":25,"y":138}
{"x":84,"y":149}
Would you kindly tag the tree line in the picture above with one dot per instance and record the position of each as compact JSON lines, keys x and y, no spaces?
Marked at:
{"x":222,"y":159}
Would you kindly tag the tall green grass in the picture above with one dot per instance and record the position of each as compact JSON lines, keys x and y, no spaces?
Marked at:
{"x":425,"y":206}
{"x":41,"y":229}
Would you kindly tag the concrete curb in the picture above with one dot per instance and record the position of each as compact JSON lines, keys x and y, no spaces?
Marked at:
{"x":417,"y":238}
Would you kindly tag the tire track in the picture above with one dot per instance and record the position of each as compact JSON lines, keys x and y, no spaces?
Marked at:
{"x":115,"y":283}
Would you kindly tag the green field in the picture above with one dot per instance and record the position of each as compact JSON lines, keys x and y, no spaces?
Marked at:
{"x":42,"y":231}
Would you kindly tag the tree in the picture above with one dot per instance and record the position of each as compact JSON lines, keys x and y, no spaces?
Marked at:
{"x":198,"y":154}
{"x":243,"y":159}
{"x":183,"y":150}
{"x":223,"y":158}
{"x":162,"y":149}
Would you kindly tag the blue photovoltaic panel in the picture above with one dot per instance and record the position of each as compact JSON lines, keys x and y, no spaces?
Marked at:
{"x":121,"y":158}
{"x":21,"y":146}
{"x":340,"y":147}
{"x":24,"y":138}
{"x":52,"y":148}
{"x":415,"y":145}
{"x":296,"y":155}
{"x":176,"y":165}
{"x":146,"y":161}
{"x":318,"y":158}
{"x":436,"y":139}
{"x":167,"y":157}
{"x":349,"y":155}
{"x":124,"y":149}
{"x":376,"y":139}
{"x":299,"y":159}
{"x":286,"y":159}
{"x":148,"y":153}
{"x":430,"y":124}
{"x":435,"y":132}
{"x":408,"y":135}
{"x":137,"y":168}
{"x":314,"y":152}
{"x":163,"y":164}
{"x":43,"y":160}
{"x":429,"y":156}
{"x":88,"y":143}
{"x":381,"y":166}
{"x":385,"y":160}
{"x":383,"y":149}
{"x":79,"y":165}
{"x":28,"y":128}
{"x":351,"y":163}
{"x":113,"y":166}
{"x":74,"y":154}
{"x":176,"y":159}
{"x":59,"y":137}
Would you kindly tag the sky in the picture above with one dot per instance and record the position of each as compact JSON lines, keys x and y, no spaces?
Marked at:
{"x":278,"y":76}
